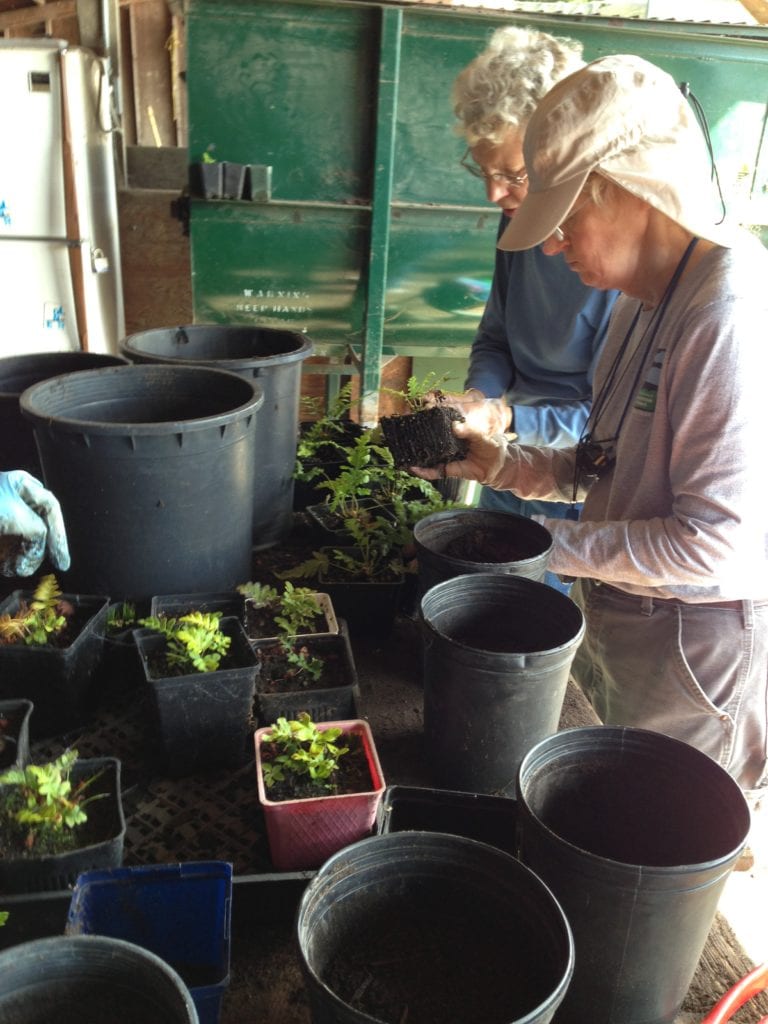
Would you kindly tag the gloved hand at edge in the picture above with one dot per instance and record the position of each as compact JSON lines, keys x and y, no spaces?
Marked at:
{"x":485,"y":415}
{"x":484,"y":462}
{"x":30,"y":522}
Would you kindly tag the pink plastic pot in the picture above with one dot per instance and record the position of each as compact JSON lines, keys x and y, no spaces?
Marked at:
{"x":304,"y":833}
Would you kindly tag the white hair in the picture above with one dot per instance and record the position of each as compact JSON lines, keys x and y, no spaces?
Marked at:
{"x":501,"y":87}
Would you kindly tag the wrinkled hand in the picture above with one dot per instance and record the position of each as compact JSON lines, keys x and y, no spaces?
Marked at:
{"x":30,"y":522}
{"x":484,"y":462}
{"x":485,"y":415}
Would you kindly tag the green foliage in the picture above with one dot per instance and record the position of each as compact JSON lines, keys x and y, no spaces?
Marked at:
{"x":302,"y":662}
{"x":325,"y":431}
{"x":120,"y":616}
{"x":260,"y":593}
{"x":40,"y":803}
{"x":415,"y":392}
{"x":293,"y":611}
{"x":193,"y":641}
{"x":4,"y":915}
{"x":298,"y":609}
{"x":303,"y":750}
{"x":44,"y":617}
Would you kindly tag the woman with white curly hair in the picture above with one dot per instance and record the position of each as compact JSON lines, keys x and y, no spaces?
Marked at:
{"x":542,"y":329}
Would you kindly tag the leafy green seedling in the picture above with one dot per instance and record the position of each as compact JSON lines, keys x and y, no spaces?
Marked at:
{"x":303,"y":750}
{"x":40,"y":805}
{"x":193,"y":641}
{"x":36,"y":622}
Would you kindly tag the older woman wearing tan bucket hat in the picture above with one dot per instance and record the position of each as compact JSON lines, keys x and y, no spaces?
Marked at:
{"x":670,"y":556}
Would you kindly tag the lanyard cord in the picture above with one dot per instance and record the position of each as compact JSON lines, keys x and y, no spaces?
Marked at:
{"x":614,"y":378}
{"x":611,"y":383}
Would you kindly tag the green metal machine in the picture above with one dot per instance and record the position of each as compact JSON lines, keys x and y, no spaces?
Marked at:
{"x":365,"y":232}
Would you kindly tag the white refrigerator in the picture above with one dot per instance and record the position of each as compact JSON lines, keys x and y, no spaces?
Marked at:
{"x":60,"y":276}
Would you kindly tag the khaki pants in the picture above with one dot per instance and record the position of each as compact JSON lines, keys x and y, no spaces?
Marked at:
{"x":692,"y":671}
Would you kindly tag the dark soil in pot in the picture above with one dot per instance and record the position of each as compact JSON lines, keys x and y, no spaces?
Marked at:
{"x":352,"y":775}
{"x":277,"y":675}
{"x":260,"y":621}
{"x":413,"y":966}
{"x":486,"y":546}
{"x":424,"y":438}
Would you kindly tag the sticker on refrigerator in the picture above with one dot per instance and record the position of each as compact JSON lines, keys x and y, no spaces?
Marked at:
{"x":53,"y":317}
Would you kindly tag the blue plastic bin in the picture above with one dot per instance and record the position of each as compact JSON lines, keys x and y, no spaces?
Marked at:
{"x":180,"y":912}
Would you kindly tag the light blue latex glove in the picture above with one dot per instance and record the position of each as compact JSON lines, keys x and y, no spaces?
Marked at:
{"x":30,"y":522}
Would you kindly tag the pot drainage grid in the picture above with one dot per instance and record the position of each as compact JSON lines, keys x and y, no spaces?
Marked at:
{"x":211,"y":815}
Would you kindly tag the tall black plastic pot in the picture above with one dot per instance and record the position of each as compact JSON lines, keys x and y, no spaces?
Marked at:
{"x":440,"y":924}
{"x":468,"y":540}
{"x":635,"y":833}
{"x":497,"y":653}
{"x":17,"y":373}
{"x":154,"y":468}
{"x":89,"y":979}
{"x":274,"y":359}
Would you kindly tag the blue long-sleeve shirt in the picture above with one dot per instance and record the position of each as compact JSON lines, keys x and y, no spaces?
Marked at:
{"x":537,"y":343}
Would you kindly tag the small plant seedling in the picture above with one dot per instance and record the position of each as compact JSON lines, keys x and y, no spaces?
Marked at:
{"x":262,"y":594}
{"x":40,"y":620}
{"x":293,"y":612}
{"x":120,"y":617}
{"x":303,"y":751}
{"x":39,"y":805}
{"x":416,"y":392}
{"x":193,"y":641}
{"x":324,"y":431}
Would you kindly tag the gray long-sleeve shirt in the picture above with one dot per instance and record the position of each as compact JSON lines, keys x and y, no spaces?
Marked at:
{"x":683,"y":511}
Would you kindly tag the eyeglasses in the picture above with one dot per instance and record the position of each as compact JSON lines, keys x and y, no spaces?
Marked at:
{"x":499,"y":177}
{"x":560,"y":231}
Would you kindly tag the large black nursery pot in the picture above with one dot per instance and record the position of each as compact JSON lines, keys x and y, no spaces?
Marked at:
{"x":154,"y":468}
{"x":272,"y":358}
{"x":466,"y":540}
{"x":90,"y":979}
{"x":447,"y":927}
{"x":17,"y":373}
{"x":635,"y":833}
{"x":497,"y":653}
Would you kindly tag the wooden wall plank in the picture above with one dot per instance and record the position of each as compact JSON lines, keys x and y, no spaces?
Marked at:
{"x":150,"y":32}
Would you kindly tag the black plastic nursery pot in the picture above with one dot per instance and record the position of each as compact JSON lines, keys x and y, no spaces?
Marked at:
{"x":635,"y":833}
{"x":203,"y":718}
{"x":449,"y":928}
{"x":229,"y":603}
{"x":90,"y":979}
{"x":334,"y":696}
{"x":368,"y":606}
{"x":497,"y":653}
{"x":271,"y":359}
{"x":57,"y":680}
{"x":17,"y":373}
{"x":488,"y":819}
{"x":466,"y":540}
{"x":154,"y":467}
{"x":14,"y":733}
{"x":101,"y":837}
